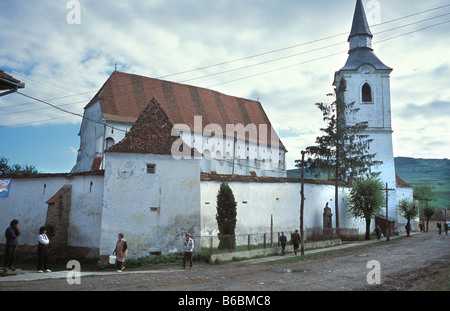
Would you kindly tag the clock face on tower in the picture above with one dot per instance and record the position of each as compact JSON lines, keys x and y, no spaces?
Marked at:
{"x":365,"y":70}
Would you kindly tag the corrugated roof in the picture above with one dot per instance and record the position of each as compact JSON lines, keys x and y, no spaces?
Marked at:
{"x":124,"y":97}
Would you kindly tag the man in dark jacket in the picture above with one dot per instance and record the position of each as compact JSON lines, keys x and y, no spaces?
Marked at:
{"x":295,"y":238}
{"x":283,"y":241}
{"x":12,"y":233}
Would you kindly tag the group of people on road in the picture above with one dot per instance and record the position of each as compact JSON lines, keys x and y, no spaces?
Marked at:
{"x":295,"y":240}
{"x":12,"y":234}
{"x":121,"y":251}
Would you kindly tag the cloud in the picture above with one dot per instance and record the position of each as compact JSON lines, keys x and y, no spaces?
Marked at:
{"x":436,"y":109}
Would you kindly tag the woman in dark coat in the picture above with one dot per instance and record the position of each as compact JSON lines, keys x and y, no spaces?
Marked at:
{"x":12,"y":233}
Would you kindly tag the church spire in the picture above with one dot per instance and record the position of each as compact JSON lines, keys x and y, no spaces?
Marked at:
{"x":360,"y":35}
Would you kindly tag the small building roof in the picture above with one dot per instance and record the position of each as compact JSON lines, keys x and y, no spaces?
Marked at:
{"x":59,"y":194}
{"x":400,"y":183}
{"x":151,"y":133}
{"x":8,"y":82}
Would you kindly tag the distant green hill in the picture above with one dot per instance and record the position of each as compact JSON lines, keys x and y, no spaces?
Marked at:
{"x":427,"y":171}
{"x":416,"y":171}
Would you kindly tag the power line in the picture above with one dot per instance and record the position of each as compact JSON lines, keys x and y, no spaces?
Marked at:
{"x":41,"y":108}
{"x":266,"y":53}
{"x":297,"y":45}
{"x":70,"y":112}
{"x":257,"y":64}
{"x":234,"y":80}
{"x":320,"y":58}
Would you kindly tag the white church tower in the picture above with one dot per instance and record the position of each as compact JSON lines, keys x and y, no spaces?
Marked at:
{"x":369,"y":88}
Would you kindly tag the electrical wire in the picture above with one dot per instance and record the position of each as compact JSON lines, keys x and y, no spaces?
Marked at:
{"x":70,"y":112}
{"x":262,"y":54}
{"x":249,"y":66}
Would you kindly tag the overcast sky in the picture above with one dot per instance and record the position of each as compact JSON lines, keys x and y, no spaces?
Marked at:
{"x":283,"y":53}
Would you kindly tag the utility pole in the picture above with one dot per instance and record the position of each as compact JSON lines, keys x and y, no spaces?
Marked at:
{"x":388,"y":229}
{"x":302,"y":205}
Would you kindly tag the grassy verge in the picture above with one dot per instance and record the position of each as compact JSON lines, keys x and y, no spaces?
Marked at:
{"x":439,"y":283}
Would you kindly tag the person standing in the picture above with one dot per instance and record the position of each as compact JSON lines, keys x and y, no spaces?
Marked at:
{"x":295,"y":238}
{"x":43,"y":242}
{"x":121,"y":252}
{"x":188,"y":248}
{"x":12,"y":233}
{"x":439,"y":226}
{"x":446,"y":228}
{"x":283,"y":241}
{"x":378,"y":232}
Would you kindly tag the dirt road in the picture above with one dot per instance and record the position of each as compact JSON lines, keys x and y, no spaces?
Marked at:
{"x":404,"y":264}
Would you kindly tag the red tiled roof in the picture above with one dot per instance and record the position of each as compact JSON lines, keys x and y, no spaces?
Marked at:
{"x":151,"y":133}
{"x":124,"y":96}
{"x":96,"y":163}
{"x":213,"y":176}
{"x":401,"y":183}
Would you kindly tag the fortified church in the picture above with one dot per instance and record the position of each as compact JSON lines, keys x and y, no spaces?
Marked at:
{"x":153,"y":154}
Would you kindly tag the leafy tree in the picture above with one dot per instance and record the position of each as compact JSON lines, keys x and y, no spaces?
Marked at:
{"x":226,"y":216}
{"x":429,"y":212}
{"x":5,"y":168}
{"x":343,"y":149}
{"x":365,"y":201}
{"x":424,"y":194}
{"x":408,"y":209}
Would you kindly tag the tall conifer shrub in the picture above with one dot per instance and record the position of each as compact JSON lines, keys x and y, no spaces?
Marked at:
{"x":226,"y":217}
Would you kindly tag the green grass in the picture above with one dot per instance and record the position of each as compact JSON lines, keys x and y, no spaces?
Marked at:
{"x":427,"y":171}
{"x":439,"y":283}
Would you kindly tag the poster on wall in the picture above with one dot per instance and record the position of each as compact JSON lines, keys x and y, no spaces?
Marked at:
{"x":5,"y":184}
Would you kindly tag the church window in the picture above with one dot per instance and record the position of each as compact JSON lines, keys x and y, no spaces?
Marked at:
{"x":151,"y":168}
{"x":109,"y":142}
{"x":366,"y":93}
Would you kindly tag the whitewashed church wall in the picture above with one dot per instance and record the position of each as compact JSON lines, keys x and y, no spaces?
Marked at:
{"x":91,"y":134}
{"x":153,"y":210}
{"x":223,"y":155}
{"x":26,"y":203}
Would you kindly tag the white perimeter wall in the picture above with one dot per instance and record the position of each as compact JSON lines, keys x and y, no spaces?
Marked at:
{"x":26,"y":203}
{"x":282,"y":200}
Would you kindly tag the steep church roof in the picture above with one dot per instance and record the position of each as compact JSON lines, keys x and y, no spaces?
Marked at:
{"x":124,"y":97}
{"x":360,"y":25}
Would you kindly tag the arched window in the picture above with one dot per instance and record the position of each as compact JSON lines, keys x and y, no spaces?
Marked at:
{"x":366,"y":93}
{"x":109,"y":142}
